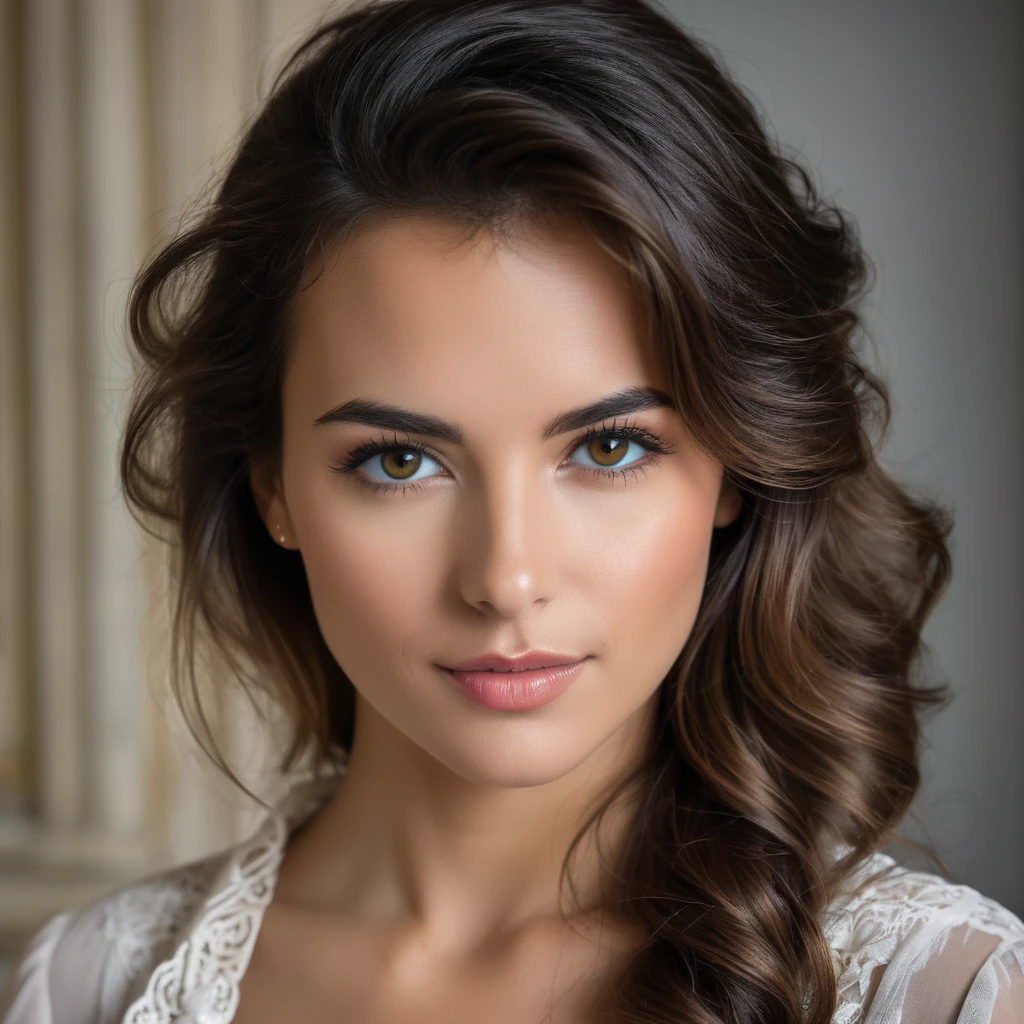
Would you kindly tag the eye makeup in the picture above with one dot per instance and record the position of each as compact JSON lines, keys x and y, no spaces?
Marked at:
{"x":630,"y":433}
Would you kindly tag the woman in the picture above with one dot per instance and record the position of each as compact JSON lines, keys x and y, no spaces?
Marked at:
{"x":506,"y":407}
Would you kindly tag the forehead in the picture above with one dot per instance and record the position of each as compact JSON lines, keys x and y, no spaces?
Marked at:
{"x":412,"y":309}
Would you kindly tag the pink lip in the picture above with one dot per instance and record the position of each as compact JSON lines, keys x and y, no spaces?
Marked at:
{"x":515,"y":691}
{"x":502,"y":663}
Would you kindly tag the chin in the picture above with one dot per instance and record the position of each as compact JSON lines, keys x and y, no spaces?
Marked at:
{"x":525,"y":754}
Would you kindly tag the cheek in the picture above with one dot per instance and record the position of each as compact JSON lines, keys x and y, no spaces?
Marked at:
{"x":649,"y":569}
{"x":371,"y":582}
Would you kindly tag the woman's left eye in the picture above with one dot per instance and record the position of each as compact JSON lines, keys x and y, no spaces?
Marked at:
{"x":618,"y":451}
{"x":609,"y":451}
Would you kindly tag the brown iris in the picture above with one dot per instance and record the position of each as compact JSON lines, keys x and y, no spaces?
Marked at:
{"x":607,"y":451}
{"x":401,"y":463}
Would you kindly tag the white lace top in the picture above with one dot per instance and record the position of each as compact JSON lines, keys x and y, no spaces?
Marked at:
{"x":173,"y":947}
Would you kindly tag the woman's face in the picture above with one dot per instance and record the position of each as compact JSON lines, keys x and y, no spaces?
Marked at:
{"x":511,"y":532}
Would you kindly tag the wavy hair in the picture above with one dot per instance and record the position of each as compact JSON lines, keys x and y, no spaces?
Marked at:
{"x":788,"y":740}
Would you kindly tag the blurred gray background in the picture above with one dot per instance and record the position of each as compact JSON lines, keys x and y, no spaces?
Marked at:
{"x":113,"y":113}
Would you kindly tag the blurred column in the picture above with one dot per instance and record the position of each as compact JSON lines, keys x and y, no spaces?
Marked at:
{"x":201,"y":88}
{"x":14,"y":621}
{"x":113,"y":212}
{"x":55,"y":399}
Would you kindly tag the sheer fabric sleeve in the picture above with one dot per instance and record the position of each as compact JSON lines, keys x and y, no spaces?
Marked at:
{"x":952,"y":974}
{"x":913,"y":948}
{"x":58,"y":978}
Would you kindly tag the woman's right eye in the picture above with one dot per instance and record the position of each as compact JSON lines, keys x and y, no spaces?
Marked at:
{"x":397,"y":465}
{"x":388,"y":466}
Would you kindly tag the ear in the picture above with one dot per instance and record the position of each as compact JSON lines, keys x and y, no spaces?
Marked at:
{"x":268,"y":494}
{"x":729,"y":504}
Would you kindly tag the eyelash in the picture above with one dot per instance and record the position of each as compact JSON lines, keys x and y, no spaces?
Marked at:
{"x":627,"y":432}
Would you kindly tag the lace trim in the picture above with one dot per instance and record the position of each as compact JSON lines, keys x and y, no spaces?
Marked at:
{"x":199,"y":983}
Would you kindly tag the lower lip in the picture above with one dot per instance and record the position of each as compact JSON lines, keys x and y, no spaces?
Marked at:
{"x":517,"y":691}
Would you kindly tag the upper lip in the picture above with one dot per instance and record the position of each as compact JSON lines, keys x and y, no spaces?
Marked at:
{"x":520,"y":662}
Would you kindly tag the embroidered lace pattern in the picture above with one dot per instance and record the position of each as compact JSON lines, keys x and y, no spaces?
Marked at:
{"x":139,"y":920}
{"x":198,"y":983}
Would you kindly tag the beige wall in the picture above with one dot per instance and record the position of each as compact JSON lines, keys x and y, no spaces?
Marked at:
{"x":113,"y":113}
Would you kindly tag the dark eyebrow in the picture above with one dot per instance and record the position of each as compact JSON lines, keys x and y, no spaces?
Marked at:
{"x":381,"y":414}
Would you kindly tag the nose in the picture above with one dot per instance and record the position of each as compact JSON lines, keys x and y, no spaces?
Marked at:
{"x":508,"y":544}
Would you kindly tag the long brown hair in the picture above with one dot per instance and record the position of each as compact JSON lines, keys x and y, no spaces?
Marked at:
{"x":789,"y":725}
